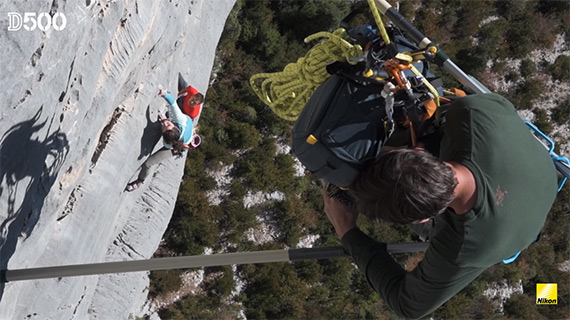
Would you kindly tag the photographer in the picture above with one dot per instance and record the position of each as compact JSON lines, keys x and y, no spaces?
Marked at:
{"x":487,"y":196}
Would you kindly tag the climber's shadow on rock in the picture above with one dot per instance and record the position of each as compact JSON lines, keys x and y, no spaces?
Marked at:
{"x":31,"y":155}
{"x":151,"y":135}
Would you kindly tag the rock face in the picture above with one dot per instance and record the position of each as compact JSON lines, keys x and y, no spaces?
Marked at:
{"x":77,"y":121}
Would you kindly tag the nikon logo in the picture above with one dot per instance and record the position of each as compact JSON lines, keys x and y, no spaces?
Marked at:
{"x":546,"y":293}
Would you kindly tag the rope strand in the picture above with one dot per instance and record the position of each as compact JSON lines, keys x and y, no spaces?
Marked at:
{"x":287,"y":92}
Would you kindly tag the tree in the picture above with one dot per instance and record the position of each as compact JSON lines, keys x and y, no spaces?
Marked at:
{"x":560,"y":69}
{"x":272,"y":291}
{"x":455,"y":308}
{"x":527,"y":92}
{"x":541,"y":120}
{"x":164,"y":281}
{"x":254,"y":40}
{"x":193,"y":224}
{"x":235,"y":220}
{"x":561,"y":113}
{"x":470,"y":17}
{"x":220,"y":281}
{"x":302,"y":18}
{"x":243,"y":135}
{"x":527,"y":68}
{"x":263,"y":169}
{"x":520,"y":306}
{"x":292,"y":215}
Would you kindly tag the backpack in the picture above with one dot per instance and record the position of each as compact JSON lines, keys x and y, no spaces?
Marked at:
{"x":356,"y":111}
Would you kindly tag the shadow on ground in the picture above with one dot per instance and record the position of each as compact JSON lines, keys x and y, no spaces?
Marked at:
{"x":151,"y":135}
{"x":29,"y":163}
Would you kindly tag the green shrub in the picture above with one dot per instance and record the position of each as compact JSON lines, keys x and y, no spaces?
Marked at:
{"x":513,"y":76}
{"x":519,"y":34}
{"x":492,"y":39}
{"x":302,"y":18}
{"x":235,"y":220}
{"x":541,"y":120}
{"x":164,"y":281}
{"x":222,"y":284}
{"x":196,"y":306}
{"x":527,"y":92}
{"x":273,"y":291}
{"x":243,"y":135}
{"x":407,"y":8}
{"x":565,"y":25}
{"x":308,"y":270}
{"x":244,"y":113}
{"x":470,"y":17}
{"x":472,"y":60}
{"x":292,"y":215}
{"x":527,"y":68}
{"x":561,"y":113}
{"x":555,"y":7}
{"x":560,"y":69}
{"x":456,"y":308}
{"x":522,"y":307}
{"x":193,"y":224}
{"x":500,"y":66}
{"x":263,"y":170}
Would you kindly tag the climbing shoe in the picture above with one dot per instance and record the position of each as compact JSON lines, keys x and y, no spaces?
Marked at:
{"x":133,"y":185}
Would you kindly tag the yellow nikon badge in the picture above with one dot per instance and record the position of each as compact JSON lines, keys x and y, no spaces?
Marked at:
{"x":546,"y":293}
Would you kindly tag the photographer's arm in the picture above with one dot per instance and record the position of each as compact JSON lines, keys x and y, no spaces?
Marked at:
{"x":412,"y":294}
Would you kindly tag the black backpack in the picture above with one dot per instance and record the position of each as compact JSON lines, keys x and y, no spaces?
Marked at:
{"x":345,"y":123}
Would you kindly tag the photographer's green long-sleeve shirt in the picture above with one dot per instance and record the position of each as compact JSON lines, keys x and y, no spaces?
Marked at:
{"x":516,"y":186}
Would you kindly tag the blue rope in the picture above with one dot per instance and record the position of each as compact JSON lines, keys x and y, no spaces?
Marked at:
{"x":554,"y":158}
{"x":565,"y":160}
{"x":551,"y":151}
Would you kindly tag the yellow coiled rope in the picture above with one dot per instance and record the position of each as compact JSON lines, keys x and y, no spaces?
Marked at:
{"x":286,"y":92}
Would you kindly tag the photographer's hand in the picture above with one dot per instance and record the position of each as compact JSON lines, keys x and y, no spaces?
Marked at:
{"x":342,"y":217}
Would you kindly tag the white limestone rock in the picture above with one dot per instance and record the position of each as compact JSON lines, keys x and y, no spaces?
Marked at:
{"x":74,"y":128}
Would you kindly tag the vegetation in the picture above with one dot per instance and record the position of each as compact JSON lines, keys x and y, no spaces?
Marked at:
{"x":241,"y":134}
{"x":561,"y":113}
{"x":541,"y":121}
{"x":561,"y":68}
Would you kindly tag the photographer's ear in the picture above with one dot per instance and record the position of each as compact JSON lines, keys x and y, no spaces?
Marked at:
{"x":420,"y":146}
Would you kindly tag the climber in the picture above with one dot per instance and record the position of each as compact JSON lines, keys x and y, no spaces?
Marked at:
{"x":189,"y":98}
{"x":176,"y":134}
{"x":474,"y":195}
